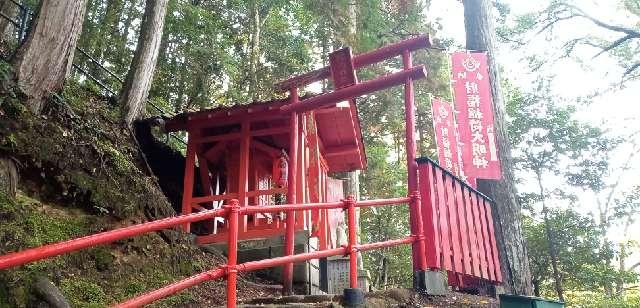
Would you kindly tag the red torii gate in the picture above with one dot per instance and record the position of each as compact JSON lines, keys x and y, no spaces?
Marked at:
{"x":208,"y":128}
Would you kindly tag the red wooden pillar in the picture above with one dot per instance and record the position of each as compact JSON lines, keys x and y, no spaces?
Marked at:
{"x":243,"y":176}
{"x":287,"y":271}
{"x":412,"y":167}
{"x":189,"y":170}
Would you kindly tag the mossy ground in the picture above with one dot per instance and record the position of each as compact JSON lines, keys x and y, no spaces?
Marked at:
{"x":94,"y":277}
{"x":81,"y":173}
{"x":79,"y":152}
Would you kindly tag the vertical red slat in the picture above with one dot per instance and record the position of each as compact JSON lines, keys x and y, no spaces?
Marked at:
{"x":443,"y":221}
{"x":453,"y":224}
{"x":207,"y":189}
{"x":243,"y":176}
{"x":485,"y":239}
{"x":189,"y":170}
{"x":434,"y":209}
{"x":494,"y":247}
{"x":205,"y":178}
{"x":473,"y":241}
{"x":302,"y":172}
{"x":479,"y":235}
{"x":464,"y":234}
{"x":429,"y":215}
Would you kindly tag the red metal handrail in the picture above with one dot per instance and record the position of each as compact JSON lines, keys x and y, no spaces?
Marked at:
{"x":52,"y":250}
{"x":233,"y":212}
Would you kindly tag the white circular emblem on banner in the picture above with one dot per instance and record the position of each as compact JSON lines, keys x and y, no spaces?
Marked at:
{"x":470,"y":64}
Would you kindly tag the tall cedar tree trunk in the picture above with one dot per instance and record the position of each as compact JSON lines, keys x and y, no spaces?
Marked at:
{"x":511,"y":245}
{"x":7,"y":29}
{"x":553,"y":252}
{"x":254,"y":49}
{"x":138,"y":81}
{"x":44,"y":61}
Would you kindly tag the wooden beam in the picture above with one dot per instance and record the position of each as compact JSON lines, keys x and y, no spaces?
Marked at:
{"x":198,"y":200}
{"x":329,"y":110}
{"x":215,"y":138}
{"x":214,"y":152}
{"x":255,"y":193}
{"x":271,"y":114}
{"x":269,"y":150}
{"x":255,"y":133}
{"x":271,"y":131}
{"x":341,"y":150}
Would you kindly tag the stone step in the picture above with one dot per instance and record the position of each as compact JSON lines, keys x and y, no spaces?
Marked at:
{"x":304,"y":300}
{"x":399,"y":297}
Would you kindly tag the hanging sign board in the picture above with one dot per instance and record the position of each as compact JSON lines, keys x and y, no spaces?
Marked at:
{"x":473,"y":104}
{"x":342,"y":69}
{"x":445,"y":133}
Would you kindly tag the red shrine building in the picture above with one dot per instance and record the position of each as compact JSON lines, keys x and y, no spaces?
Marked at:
{"x":243,"y":153}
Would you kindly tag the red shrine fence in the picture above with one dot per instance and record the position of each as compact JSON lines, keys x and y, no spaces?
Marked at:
{"x":458,"y":227}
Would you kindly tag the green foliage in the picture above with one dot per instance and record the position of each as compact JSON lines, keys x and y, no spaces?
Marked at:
{"x":578,"y":244}
{"x":545,"y":131}
{"x":589,"y":299}
{"x":549,"y":142}
{"x":83,"y":293}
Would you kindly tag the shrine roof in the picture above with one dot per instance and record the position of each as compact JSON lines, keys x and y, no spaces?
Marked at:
{"x":338,"y":128}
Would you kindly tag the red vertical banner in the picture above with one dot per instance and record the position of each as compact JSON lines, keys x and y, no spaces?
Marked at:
{"x":445,"y":133}
{"x":473,"y":104}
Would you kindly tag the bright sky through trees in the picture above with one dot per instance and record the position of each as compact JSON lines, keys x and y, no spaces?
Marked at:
{"x":574,"y":78}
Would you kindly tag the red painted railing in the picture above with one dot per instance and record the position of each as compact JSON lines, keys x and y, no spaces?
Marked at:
{"x":233,"y":212}
{"x":452,"y":230}
{"x":458,"y":226}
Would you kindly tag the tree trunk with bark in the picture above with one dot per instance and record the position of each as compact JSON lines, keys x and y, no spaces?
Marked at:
{"x":622,"y":257}
{"x":254,"y":49}
{"x":45,"y":59}
{"x":7,"y":29}
{"x":553,"y":252}
{"x":8,"y":177}
{"x":514,"y":262}
{"x":138,"y":81}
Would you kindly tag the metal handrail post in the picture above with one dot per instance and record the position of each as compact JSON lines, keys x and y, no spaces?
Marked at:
{"x":353,"y":241}
{"x":232,"y":253}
